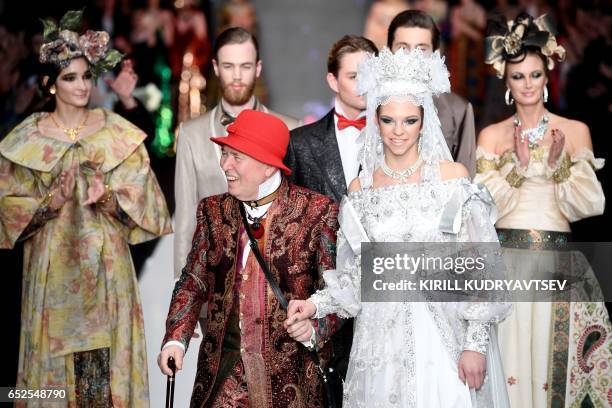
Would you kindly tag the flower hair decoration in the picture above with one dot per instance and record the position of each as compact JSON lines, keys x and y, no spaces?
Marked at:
{"x":507,"y":40}
{"x":62,"y":43}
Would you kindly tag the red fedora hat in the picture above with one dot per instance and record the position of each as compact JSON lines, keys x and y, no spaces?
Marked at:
{"x":259,"y":135}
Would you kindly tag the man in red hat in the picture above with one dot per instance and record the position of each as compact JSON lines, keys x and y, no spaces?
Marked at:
{"x":247,"y":358}
{"x":237,"y":65}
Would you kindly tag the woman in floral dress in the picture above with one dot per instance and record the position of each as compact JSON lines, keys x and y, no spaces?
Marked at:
{"x":76,"y":187}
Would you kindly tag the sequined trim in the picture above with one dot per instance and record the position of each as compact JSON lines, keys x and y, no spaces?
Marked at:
{"x":537,"y":154}
{"x":514,"y":178}
{"x":484,"y":165}
{"x":586,"y":350}
{"x":563,"y":171}
{"x":557,"y":375}
{"x":507,"y":157}
{"x":92,"y":378}
{"x":477,"y":337}
{"x":410,"y":359}
{"x":532,"y":239}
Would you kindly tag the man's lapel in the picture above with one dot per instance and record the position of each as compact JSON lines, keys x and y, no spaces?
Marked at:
{"x":217,"y":128}
{"x":327,"y":155}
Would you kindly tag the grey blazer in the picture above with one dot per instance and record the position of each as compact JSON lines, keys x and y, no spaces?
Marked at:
{"x":457,"y":119}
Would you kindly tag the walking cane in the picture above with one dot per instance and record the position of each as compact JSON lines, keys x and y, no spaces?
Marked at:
{"x":170,"y":384}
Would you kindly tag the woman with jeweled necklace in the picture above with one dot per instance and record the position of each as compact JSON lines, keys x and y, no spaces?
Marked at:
{"x":410,"y":354}
{"x":76,"y":188}
{"x":540,"y":169}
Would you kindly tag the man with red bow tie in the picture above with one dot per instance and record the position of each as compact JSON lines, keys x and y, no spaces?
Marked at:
{"x":323,"y":155}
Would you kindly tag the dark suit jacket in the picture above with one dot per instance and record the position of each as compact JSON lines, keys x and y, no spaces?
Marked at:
{"x":314,"y":157}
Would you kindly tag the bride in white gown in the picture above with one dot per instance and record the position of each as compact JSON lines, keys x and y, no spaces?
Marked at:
{"x":410,"y":354}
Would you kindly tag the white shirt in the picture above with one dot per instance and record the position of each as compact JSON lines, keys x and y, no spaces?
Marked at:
{"x":265,"y":188}
{"x":350,"y":141}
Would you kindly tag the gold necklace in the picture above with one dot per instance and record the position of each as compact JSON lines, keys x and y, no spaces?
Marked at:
{"x":72,"y":133}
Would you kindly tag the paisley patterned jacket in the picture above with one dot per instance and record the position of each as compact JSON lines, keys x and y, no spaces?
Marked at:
{"x":300,"y":244}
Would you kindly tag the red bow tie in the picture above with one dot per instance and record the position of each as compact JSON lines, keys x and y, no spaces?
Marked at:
{"x":343,"y":122}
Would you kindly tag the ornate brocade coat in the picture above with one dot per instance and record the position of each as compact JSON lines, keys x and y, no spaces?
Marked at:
{"x":80,"y":291}
{"x":299,"y":245}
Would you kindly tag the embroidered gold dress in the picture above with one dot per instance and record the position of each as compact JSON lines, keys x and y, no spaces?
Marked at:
{"x":547,"y":358}
{"x":80,"y":292}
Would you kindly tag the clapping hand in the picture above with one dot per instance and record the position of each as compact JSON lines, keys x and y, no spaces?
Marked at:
{"x":556,"y":148}
{"x":96,"y":189}
{"x":521,"y":147}
{"x":124,"y":84}
{"x":65,"y":191}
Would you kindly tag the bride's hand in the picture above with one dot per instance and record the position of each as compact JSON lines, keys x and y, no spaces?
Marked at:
{"x":301,"y":330}
{"x":472,"y":368}
{"x":298,"y":312}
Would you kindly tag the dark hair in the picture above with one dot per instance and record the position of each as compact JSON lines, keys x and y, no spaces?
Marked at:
{"x":234,"y":35}
{"x":48,"y":70}
{"x":527,"y":50}
{"x":52,"y":71}
{"x":347,"y":45}
{"x":414,"y":18}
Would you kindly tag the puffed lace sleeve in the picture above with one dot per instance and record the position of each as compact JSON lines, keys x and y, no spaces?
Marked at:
{"x":471,"y":215}
{"x":342,"y":292}
{"x":577,"y":189}
{"x":502,"y":178}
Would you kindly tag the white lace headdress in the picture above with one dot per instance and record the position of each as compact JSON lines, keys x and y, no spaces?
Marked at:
{"x":412,"y":75}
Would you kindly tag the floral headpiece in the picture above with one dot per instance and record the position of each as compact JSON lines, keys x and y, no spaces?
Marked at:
{"x":507,"y":40}
{"x":62,"y":43}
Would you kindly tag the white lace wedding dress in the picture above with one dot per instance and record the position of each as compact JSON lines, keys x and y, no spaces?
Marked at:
{"x":406,"y":354}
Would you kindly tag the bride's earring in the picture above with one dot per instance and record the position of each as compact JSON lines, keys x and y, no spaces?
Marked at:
{"x":509,"y":98}
{"x":420,"y":142}
{"x":545,"y":96}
